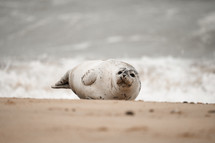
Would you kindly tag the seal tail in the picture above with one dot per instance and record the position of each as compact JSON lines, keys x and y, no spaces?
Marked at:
{"x":63,"y":82}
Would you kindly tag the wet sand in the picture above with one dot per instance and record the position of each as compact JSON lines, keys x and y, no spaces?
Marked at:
{"x":54,"y":121}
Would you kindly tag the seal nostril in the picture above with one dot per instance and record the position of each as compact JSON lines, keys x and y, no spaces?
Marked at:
{"x":124,"y":75}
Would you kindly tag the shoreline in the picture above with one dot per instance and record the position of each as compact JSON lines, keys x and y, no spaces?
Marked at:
{"x":62,"y":120}
{"x":139,"y":100}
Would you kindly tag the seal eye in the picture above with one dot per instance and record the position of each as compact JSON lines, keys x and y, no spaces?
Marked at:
{"x":119,"y":72}
{"x":132,"y":75}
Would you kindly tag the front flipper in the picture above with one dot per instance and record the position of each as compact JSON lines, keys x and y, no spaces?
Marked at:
{"x":89,"y":77}
{"x":63,"y":82}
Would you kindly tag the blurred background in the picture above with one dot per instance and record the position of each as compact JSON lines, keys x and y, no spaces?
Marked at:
{"x":107,"y":28}
{"x":170,"y":42}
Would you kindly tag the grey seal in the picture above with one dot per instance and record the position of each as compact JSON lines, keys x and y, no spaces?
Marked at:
{"x":110,"y":79}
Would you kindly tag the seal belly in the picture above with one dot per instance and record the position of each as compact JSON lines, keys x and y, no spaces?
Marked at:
{"x":76,"y":75}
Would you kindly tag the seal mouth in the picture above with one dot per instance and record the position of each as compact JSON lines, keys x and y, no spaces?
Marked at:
{"x":124,"y":82}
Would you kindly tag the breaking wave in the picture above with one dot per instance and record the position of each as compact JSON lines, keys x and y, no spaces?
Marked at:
{"x":163,"y":79}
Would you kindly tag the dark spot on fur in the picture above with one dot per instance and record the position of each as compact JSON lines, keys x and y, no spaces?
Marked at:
{"x":129,"y":97}
{"x":125,"y":95}
{"x":89,"y":97}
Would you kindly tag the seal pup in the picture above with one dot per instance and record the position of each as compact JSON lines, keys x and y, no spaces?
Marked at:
{"x":110,"y":79}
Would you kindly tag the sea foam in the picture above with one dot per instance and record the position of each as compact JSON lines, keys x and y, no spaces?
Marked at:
{"x":164,"y":79}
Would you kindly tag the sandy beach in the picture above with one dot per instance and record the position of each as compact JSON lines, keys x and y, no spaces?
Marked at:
{"x":50,"y":121}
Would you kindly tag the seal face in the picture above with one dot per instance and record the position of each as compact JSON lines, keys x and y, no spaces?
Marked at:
{"x":126,"y":77}
{"x":109,"y":79}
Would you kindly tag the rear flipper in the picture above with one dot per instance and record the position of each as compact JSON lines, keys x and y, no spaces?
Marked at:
{"x":63,"y":82}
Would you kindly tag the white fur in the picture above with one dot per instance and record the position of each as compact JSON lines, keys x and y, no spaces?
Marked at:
{"x":98,"y":80}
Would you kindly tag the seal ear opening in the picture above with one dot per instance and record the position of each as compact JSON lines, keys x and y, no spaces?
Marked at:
{"x":63,"y":82}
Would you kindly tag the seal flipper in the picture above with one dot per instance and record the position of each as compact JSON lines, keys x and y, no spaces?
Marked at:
{"x":89,"y":77}
{"x":63,"y":82}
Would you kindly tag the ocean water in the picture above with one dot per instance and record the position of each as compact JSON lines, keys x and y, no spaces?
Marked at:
{"x":163,"y":79}
{"x":170,"y":42}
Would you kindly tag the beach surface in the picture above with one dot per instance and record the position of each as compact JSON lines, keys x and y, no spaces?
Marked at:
{"x":54,"y":121}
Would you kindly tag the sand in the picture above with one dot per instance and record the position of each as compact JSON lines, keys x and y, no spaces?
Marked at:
{"x":66,"y":121}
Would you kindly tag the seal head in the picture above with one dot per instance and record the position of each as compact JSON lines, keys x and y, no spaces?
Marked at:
{"x":126,"y":82}
{"x":125,"y":77}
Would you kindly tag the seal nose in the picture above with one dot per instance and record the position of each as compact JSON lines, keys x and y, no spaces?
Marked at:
{"x":124,"y":74}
